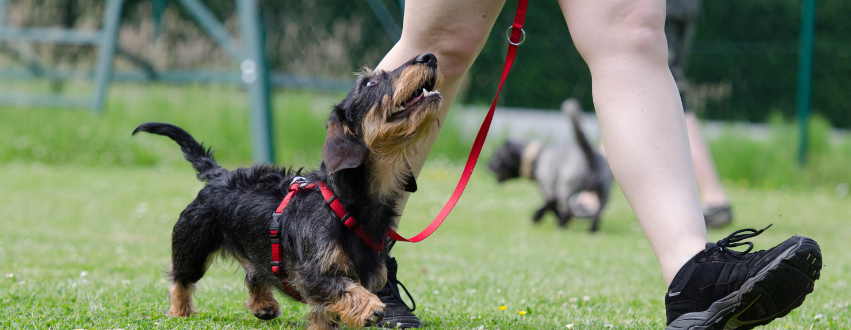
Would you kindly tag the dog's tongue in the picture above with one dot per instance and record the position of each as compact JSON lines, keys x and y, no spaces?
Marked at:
{"x":413,"y":100}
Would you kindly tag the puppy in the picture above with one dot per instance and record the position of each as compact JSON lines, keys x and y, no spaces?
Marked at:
{"x":371,"y":134}
{"x":561,"y":172}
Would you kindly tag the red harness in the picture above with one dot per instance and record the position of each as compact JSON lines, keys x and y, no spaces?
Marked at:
{"x":298,"y":184}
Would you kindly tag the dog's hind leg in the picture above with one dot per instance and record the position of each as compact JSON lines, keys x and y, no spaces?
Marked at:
{"x":563,"y":218}
{"x":549,"y":205}
{"x":261,"y":302}
{"x":194,"y":240}
{"x":603,"y":196}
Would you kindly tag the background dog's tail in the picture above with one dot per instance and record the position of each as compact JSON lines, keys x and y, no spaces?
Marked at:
{"x":573,"y":110}
{"x":201,"y":159}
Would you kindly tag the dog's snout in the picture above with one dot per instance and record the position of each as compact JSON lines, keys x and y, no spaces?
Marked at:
{"x":427,"y":59}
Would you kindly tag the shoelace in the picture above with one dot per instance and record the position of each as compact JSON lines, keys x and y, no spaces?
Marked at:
{"x":394,"y":284}
{"x":734,"y":239}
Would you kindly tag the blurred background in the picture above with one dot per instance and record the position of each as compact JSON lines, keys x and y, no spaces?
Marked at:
{"x":167,"y":66}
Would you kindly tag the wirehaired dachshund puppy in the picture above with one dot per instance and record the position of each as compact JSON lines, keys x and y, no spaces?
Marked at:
{"x":561,"y":172}
{"x":371,"y":134}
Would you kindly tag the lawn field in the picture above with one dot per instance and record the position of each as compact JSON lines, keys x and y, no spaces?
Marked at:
{"x":87,"y":247}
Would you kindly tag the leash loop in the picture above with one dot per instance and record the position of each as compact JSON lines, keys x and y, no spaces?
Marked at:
{"x":508,"y":35}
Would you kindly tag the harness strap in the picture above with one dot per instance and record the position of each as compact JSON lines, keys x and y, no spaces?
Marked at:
{"x":515,"y":38}
{"x":349,"y":221}
{"x":275,"y":235}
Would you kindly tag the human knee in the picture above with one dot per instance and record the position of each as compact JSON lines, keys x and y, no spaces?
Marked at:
{"x":456,"y":47}
{"x":636,"y":31}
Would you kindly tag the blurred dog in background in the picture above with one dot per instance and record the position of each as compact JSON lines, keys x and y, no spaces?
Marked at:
{"x":562,"y":173}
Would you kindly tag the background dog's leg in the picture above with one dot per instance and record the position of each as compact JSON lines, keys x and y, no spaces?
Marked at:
{"x":603,"y":197}
{"x":194,"y":240}
{"x":261,"y":302}
{"x":549,"y":205}
{"x":563,"y":213}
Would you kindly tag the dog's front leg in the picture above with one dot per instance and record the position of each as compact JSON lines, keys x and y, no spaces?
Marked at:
{"x":261,"y":302}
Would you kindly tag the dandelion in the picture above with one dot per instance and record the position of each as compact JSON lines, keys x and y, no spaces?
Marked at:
{"x":819,"y":316}
{"x":521,"y":313}
{"x":569,"y":326}
{"x":502,"y":308}
{"x":84,"y":273}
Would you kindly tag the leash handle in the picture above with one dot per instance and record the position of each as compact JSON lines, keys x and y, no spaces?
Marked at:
{"x":515,"y":38}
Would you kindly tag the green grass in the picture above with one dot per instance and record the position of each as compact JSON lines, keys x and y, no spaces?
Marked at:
{"x":87,"y":247}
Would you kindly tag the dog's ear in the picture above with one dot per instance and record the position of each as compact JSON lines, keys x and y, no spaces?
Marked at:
{"x":342,"y":150}
{"x":410,"y":182}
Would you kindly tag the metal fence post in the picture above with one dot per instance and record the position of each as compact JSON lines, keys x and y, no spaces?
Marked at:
{"x":256,"y":78}
{"x":109,"y":38}
{"x":805,"y":68}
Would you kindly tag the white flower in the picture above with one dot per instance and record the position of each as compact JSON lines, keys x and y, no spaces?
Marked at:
{"x":125,"y":282}
{"x":22,"y":282}
{"x":10,"y":275}
{"x":586,"y":299}
{"x":573,"y":300}
{"x":819,"y":316}
{"x":436,"y":291}
{"x":84,"y":273}
{"x":608,"y":325}
{"x":569,"y":326}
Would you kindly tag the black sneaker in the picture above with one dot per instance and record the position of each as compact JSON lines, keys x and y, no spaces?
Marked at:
{"x":397,"y":314}
{"x":717,"y":216}
{"x":724,"y":289}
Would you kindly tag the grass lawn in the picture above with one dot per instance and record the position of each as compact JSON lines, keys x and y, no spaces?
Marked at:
{"x":87,"y":247}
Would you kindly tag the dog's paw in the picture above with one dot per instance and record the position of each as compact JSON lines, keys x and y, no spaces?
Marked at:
{"x":358,"y":308}
{"x":376,"y":316}
{"x":267,"y":313}
{"x":263,"y":307}
{"x":179,"y":311}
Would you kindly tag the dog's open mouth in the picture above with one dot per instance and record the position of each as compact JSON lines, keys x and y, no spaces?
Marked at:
{"x":422,"y":94}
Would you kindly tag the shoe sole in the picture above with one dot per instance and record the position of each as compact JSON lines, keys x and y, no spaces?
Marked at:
{"x":772,"y":293}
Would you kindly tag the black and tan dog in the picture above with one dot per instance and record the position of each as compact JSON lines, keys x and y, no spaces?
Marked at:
{"x":371,"y":134}
{"x":561,"y":172}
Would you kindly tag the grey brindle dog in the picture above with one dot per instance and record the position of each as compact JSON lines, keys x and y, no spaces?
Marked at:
{"x":561,"y":172}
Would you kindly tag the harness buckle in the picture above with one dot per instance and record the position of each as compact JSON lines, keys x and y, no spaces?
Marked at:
{"x":302,"y":183}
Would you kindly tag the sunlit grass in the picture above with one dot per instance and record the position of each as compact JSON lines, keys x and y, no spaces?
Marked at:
{"x":87,"y":248}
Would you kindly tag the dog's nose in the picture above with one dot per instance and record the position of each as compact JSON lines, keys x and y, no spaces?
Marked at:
{"x":427,"y":59}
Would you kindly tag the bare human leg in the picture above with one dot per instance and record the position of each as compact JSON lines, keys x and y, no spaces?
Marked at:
{"x":711,"y":191}
{"x":641,"y":120}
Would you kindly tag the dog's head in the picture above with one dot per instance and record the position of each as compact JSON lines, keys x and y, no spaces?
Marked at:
{"x":506,"y":161}
{"x":384,"y":119}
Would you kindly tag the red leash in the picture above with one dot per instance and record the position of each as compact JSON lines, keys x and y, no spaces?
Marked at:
{"x":516,"y":33}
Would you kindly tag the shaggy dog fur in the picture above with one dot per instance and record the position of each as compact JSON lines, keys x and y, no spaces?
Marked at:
{"x":371,"y":134}
{"x":561,"y":172}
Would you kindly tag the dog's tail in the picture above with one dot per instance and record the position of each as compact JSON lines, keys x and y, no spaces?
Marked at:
{"x":573,"y":110}
{"x":201,"y":159}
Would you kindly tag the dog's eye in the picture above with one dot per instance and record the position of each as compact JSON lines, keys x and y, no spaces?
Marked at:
{"x":370,"y":83}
